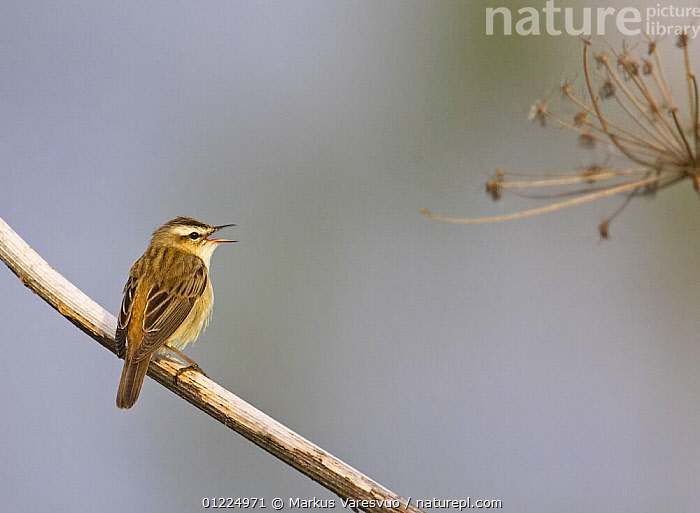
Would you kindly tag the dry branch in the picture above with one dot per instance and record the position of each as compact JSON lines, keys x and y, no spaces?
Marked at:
{"x":196,"y":388}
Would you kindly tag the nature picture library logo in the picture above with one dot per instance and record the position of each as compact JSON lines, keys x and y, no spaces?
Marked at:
{"x":660,"y":20}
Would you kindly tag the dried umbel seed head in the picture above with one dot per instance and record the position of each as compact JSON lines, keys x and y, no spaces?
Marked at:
{"x":657,"y":133}
{"x":493,"y":186}
{"x":580,"y":119}
{"x":607,"y":90}
{"x":587,"y":141}
{"x":627,"y":64}
{"x":591,"y":174}
{"x":538,"y":113}
{"x":632,"y":68}
{"x":601,"y":60}
{"x":566,"y":89}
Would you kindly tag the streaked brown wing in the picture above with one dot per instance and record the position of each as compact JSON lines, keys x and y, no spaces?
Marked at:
{"x":124,"y":316}
{"x":168,"y":305}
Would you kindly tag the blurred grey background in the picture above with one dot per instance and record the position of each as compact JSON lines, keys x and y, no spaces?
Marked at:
{"x":527,"y":362}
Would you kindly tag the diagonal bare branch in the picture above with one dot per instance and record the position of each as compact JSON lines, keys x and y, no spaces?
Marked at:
{"x":195,"y":388}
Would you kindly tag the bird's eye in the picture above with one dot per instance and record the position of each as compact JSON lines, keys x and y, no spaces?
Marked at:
{"x":194,"y":236}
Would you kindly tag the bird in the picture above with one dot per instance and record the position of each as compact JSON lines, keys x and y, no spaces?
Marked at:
{"x":167,"y":300}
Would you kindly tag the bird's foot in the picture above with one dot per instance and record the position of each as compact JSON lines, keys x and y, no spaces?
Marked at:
{"x":192,"y":367}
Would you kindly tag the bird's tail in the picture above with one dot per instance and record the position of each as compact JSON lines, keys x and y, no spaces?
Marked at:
{"x":131,"y":382}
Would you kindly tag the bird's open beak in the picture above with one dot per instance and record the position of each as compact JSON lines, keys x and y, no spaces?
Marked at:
{"x":216,"y":229}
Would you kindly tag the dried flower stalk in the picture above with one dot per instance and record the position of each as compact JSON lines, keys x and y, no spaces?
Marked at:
{"x":663,"y":146}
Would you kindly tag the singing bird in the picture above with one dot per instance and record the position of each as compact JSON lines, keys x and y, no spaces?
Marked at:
{"x":167,"y":299}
